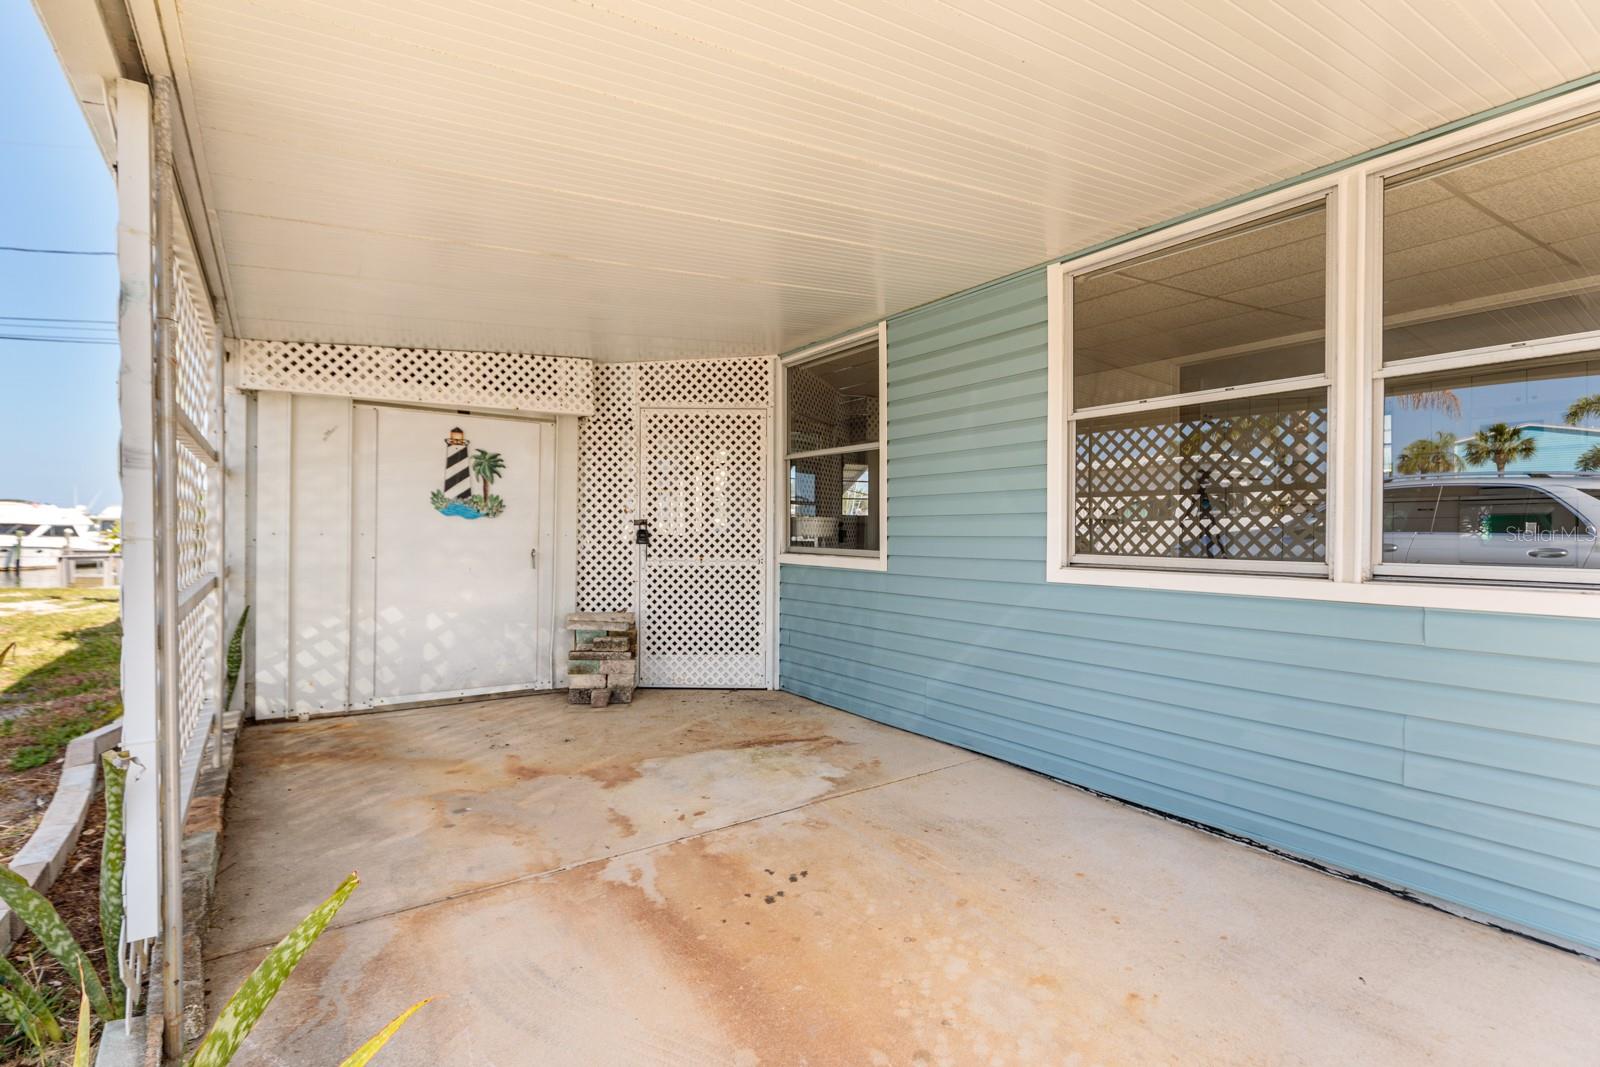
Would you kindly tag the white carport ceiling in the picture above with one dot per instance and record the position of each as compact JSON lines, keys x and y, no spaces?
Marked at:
{"x":633,"y":179}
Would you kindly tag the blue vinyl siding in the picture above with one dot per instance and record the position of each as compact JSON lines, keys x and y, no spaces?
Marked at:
{"x":1455,"y":753}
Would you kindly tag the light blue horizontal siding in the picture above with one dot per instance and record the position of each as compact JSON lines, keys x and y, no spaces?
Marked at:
{"x":1455,"y":753}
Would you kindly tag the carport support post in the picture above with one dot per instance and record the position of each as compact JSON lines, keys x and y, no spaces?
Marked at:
{"x":169,"y":777}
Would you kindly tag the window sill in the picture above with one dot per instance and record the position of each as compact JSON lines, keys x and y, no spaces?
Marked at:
{"x":1572,"y":603}
{"x":821,"y":559}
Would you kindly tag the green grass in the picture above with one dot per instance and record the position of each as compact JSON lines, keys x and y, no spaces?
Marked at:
{"x":60,"y":677}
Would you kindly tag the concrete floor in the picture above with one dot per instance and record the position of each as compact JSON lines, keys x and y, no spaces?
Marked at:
{"x":749,"y":878}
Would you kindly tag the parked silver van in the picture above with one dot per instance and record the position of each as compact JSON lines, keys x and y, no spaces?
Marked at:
{"x":1489,"y":520}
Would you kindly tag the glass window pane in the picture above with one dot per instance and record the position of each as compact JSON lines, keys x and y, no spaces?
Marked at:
{"x":834,"y":401}
{"x":833,"y":503}
{"x":1243,"y":306}
{"x":1509,"y":454}
{"x":1410,"y":508}
{"x":1239,"y":480}
{"x":1541,"y":418}
{"x":1494,"y":247}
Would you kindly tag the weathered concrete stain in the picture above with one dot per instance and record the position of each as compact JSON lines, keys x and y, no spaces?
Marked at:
{"x":455,"y":799}
{"x":831,"y":969}
{"x":959,"y":913}
{"x":624,"y":825}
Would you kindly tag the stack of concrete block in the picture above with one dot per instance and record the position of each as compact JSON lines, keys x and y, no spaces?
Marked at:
{"x":603,"y":665}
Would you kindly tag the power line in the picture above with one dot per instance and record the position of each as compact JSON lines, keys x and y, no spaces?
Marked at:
{"x":53,"y":251}
{"x":36,"y":318}
{"x":58,"y":340}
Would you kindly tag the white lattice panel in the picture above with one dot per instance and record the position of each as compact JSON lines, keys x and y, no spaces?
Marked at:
{"x":198,"y":665}
{"x":706,"y":383}
{"x":195,"y":524}
{"x":608,"y":461}
{"x":705,"y":626}
{"x":195,"y":384}
{"x":504,"y":380}
{"x":192,"y":527}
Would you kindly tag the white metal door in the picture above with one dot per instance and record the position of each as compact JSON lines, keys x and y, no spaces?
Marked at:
{"x":703,"y":482}
{"x":454,"y":603}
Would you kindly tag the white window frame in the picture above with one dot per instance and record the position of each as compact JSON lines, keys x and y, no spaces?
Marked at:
{"x":1325,"y":195}
{"x":1355,"y":573}
{"x":844,"y":558}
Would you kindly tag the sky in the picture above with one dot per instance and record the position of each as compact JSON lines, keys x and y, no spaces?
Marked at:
{"x":58,"y":401}
{"x":1537,"y":397}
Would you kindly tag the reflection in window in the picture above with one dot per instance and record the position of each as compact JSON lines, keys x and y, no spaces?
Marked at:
{"x":1243,"y":306}
{"x":834,"y":401}
{"x":1235,"y":480}
{"x":831,"y":502}
{"x":1494,"y":247}
{"x":833,"y":451}
{"x":1494,"y":466}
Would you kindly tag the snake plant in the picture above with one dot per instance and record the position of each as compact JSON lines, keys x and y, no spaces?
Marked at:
{"x":113,"y":856}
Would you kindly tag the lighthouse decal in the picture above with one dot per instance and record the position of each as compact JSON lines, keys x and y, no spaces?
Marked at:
{"x":464,"y":472}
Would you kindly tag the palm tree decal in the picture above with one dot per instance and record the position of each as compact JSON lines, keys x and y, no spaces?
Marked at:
{"x":487,"y":466}
{"x":1582,"y":410}
{"x":1499,"y":444}
{"x":1430,"y":455}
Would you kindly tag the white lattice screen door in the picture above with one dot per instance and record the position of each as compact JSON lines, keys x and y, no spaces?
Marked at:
{"x":703,"y":600}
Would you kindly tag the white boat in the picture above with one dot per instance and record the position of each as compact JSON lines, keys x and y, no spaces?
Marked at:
{"x":35,"y":536}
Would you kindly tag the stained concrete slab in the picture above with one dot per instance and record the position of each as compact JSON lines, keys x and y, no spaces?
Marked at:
{"x":963,"y":912}
{"x":435,"y":802}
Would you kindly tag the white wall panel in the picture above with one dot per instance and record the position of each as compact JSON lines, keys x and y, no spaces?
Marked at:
{"x":273,"y":524}
{"x":320,"y":551}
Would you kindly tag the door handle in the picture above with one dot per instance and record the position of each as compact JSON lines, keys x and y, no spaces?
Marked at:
{"x":1391,"y":548}
{"x":533,"y":558}
{"x":1547,"y":553}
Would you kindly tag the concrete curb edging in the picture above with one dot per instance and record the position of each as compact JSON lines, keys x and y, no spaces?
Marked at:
{"x":42,"y":859}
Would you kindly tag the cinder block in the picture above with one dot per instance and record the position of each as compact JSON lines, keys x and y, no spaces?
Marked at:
{"x":599,"y":698}
{"x":613,"y":621}
{"x":619,"y":668}
{"x":578,"y":696}
{"x":577,"y":664}
{"x":596,"y":654}
{"x":586,"y":681}
{"x":613,"y":644}
{"x":622,"y":694}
